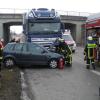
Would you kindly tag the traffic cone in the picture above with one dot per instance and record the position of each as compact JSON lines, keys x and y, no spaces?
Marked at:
{"x":61,"y":63}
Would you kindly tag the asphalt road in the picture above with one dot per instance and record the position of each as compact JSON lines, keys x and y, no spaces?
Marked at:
{"x":71,"y":83}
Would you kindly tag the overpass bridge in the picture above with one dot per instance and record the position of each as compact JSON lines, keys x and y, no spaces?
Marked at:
{"x":74,"y":23}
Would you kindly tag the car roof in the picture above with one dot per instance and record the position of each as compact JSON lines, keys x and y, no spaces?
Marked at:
{"x":21,"y":43}
{"x":13,"y":43}
{"x":25,"y":43}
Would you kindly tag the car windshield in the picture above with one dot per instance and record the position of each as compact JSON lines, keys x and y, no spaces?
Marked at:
{"x":44,"y":27}
{"x":67,"y":37}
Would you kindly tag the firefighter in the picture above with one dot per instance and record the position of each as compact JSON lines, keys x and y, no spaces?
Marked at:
{"x":12,"y":40}
{"x":89,"y":52}
{"x":3,"y":44}
{"x":63,"y":48}
{"x":1,"y":48}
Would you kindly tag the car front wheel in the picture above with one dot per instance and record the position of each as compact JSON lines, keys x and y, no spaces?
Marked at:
{"x":53,"y":63}
{"x":9,"y":63}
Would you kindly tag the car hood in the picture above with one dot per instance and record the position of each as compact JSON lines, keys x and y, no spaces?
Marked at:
{"x":55,"y":55}
{"x":69,"y":42}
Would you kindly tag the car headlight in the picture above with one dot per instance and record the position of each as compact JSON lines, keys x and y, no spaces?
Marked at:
{"x":74,"y":44}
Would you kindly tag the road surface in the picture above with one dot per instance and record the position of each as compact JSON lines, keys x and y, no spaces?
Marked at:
{"x":71,"y":83}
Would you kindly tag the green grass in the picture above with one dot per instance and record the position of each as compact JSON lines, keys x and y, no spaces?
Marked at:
{"x":10,"y":84}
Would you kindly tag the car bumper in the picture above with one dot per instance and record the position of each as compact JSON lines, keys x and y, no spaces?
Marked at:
{"x":73,"y":48}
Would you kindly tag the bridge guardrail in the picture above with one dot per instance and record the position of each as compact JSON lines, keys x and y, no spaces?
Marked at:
{"x":74,"y":13}
{"x":20,"y":11}
{"x":13,"y":11}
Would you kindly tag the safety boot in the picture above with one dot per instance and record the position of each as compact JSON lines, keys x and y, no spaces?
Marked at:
{"x":93,"y":65}
{"x":87,"y":66}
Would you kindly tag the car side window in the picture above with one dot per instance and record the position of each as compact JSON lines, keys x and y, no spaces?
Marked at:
{"x":39,"y":49}
{"x":18,"y":47}
{"x":24,"y":49}
{"x":9,"y":47}
{"x":35,"y":49}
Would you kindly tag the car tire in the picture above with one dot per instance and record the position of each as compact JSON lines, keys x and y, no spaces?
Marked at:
{"x":9,"y":62}
{"x":53,"y":63}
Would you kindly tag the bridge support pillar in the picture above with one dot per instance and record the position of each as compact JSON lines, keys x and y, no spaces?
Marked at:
{"x":1,"y":30}
{"x":78,"y":34}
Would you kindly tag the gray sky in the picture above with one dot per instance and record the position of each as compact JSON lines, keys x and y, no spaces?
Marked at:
{"x":91,"y":6}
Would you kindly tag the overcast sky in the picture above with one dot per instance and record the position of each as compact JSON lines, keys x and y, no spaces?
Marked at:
{"x":91,"y":6}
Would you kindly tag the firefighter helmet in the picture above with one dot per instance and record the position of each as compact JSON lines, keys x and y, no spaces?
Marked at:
{"x":90,"y":38}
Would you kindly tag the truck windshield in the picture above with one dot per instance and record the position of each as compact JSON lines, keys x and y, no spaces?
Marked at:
{"x":44,"y":27}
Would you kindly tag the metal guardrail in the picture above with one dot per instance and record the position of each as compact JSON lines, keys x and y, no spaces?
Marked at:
{"x":74,"y":13}
{"x":21,"y":11}
{"x":13,"y":11}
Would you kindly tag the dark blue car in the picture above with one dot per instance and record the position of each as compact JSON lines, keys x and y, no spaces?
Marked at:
{"x":28,"y":54}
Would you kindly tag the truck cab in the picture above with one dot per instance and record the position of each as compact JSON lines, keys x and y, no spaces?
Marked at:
{"x":42,"y":26}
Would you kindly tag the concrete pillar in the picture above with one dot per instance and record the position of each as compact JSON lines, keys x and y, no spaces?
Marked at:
{"x":1,"y":30}
{"x":78,"y":34}
{"x":73,"y":31}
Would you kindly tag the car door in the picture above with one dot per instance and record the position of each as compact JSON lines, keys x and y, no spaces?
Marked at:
{"x":25,"y":58}
{"x":38,"y":54}
{"x":17,"y":52}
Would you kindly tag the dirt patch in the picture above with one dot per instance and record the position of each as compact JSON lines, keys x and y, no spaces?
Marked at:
{"x":10,"y":88}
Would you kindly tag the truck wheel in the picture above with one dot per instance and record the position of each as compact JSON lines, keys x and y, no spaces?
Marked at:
{"x":9,"y":63}
{"x":53,"y":63}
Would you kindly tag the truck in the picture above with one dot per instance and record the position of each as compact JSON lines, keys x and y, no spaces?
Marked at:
{"x":93,"y":29}
{"x":42,"y":26}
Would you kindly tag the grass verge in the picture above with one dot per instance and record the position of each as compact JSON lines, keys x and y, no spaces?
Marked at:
{"x":10,"y":84}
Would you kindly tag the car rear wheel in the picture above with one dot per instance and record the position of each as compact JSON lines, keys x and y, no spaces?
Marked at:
{"x":9,"y":63}
{"x":53,"y":63}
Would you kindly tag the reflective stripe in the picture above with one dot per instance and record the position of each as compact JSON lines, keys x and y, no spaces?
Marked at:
{"x":0,"y":57}
{"x":93,"y":53}
{"x":89,"y":54}
{"x":92,"y":62}
{"x":70,"y":58}
{"x":91,"y":45}
{"x":87,"y":64}
{"x":1,"y":48}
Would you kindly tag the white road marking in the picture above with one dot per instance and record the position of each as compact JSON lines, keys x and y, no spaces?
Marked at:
{"x":24,"y":95}
{"x":95,"y":72}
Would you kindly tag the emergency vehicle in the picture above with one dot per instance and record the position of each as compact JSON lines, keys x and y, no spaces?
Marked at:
{"x":69,"y":40}
{"x":93,"y":29}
